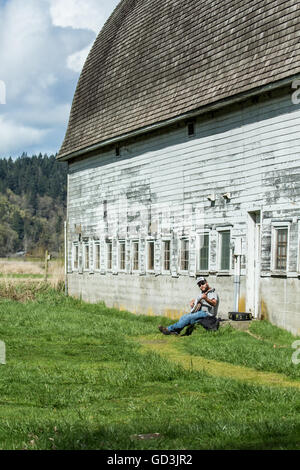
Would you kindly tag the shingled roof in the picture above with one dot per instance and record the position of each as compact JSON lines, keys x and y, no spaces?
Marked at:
{"x":158,"y":59}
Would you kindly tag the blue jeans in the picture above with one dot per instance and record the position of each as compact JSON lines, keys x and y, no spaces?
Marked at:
{"x":188,"y":319}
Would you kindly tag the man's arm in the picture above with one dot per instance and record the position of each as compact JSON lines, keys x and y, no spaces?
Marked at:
{"x":212,"y":302}
{"x":195,"y":303}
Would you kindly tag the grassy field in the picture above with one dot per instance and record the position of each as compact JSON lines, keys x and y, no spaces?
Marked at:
{"x":31,"y":270}
{"x":81,"y":376}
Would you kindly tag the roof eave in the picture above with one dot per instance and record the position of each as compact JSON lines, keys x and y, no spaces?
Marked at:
{"x":185,"y":116}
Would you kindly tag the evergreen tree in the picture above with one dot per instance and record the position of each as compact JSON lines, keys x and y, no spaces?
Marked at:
{"x":32,"y":203}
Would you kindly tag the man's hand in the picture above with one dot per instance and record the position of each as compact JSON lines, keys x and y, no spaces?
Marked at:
{"x":192,"y":303}
{"x":212,"y":302}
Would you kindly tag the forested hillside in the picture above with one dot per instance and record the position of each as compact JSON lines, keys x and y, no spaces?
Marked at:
{"x":32,"y":205}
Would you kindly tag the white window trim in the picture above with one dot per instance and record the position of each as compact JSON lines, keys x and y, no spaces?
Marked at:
{"x":199,"y":234}
{"x":184,"y":271}
{"x":148,"y":241}
{"x":107,"y":242}
{"x":131,"y":255}
{"x":86,"y":244}
{"x":163,"y":270}
{"x":275,"y":226}
{"x":74,"y":245}
{"x":97,"y":243}
{"x":219,"y":250}
{"x":121,"y":242}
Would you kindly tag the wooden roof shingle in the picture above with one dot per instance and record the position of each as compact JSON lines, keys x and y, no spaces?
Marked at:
{"x":157,"y":59}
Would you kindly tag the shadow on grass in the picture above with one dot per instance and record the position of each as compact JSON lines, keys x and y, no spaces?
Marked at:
{"x":121,"y":437}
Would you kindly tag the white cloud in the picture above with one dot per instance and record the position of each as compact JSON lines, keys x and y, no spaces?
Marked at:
{"x":17,"y":136}
{"x":76,"y":61}
{"x":78,"y":14}
{"x":90,"y":14}
{"x":43,"y":45}
{"x":56,"y":115}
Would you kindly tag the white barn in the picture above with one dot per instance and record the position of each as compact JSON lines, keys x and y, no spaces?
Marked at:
{"x":183,"y":148}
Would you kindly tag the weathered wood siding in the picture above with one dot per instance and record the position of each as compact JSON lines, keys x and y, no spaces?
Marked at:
{"x":158,"y":188}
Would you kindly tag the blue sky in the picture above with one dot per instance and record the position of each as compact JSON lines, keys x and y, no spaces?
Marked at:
{"x":43,"y":45}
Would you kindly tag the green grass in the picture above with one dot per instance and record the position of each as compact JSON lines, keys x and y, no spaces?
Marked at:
{"x":77,"y":378}
{"x":237,"y":347}
{"x":22,"y":276}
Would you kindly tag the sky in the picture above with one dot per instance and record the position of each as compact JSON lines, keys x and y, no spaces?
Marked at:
{"x":43,"y":46}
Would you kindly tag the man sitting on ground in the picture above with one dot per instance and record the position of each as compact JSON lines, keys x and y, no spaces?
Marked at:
{"x":205,"y":306}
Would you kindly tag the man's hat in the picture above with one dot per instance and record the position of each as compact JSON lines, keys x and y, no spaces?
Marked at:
{"x":200,"y":279}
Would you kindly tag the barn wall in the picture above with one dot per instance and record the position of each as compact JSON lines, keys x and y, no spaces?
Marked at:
{"x":149,"y":295}
{"x":158,"y":188}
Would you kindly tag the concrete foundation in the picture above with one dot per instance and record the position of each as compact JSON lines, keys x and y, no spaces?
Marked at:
{"x":167,"y":296}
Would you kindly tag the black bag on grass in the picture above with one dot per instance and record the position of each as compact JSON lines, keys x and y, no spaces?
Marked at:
{"x":209,"y":323}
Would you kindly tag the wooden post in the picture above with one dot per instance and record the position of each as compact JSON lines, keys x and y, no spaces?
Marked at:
{"x":46,"y":265}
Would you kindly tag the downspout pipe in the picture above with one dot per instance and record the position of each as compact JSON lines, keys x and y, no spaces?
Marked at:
{"x":237,"y":282}
{"x":237,"y":253}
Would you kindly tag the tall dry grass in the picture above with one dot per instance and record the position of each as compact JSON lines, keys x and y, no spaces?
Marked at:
{"x":21,"y":267}
{"x":20,"y":290}
{"x":56,"y":273}
{"x":24,"y":289}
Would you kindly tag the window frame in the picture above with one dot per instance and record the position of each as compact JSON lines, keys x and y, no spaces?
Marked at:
{"x":220,"y":231}
{"x":97,"y":243}
{"x":182,"y":240}
{"x":199,"y":235}
{"x":148,"y":243}
{"x":191,"y":129}
{"x":166,"y":271}
{"x":107,"y":244}
{"x":75,"y":246}
{"x":86,"y":246}
{"x":135,"y":242}
{"x":121,"y":243}
{"x":276,"y":226}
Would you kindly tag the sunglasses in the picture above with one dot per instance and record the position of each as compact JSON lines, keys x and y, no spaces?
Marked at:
{"x":201,"y":283}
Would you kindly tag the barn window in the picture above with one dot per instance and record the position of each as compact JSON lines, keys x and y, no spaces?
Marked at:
{"x":109,"y":255}
{"x":135,"y":256}
{"x":191,"y":129}
{"x":166,"y":255}
{"x":122,"y":255}
{"x":224,"y":244}
{"x":204,"y":252}
{"x":86,"y":256}
{"x":75,"y":256}
{"x":105,"y":210}
{"x":97,"y":255}
{"x":184,"y":255}
{"x":150,"y":257}
{"x":281,"y":248}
